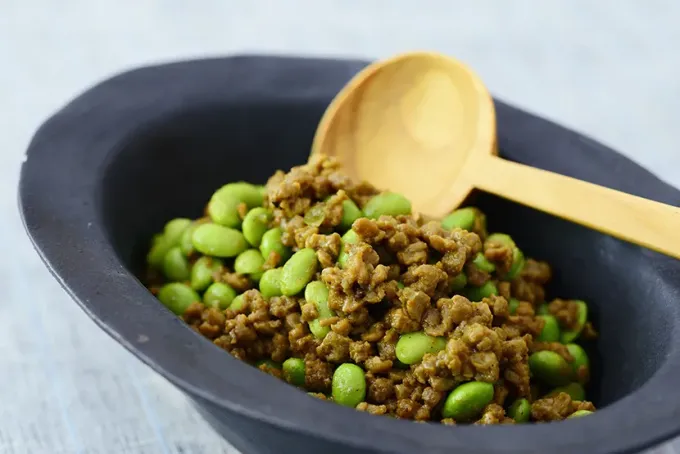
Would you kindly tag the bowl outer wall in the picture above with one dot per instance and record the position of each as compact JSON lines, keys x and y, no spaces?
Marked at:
{"x":60,"y":207}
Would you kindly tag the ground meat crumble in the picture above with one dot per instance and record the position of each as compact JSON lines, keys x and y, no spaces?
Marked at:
{"x":397,"y":279}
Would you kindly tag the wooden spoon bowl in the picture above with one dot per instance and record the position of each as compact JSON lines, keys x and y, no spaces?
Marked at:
{"x":423,"y":124}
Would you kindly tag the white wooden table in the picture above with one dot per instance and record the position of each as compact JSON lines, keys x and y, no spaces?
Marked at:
{"x":608,"y":68}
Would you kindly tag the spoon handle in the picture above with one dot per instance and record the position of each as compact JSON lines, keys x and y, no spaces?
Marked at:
{"x":635,"y":219}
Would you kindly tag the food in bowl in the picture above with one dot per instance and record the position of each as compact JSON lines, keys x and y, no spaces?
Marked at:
{"x":339,"y":289}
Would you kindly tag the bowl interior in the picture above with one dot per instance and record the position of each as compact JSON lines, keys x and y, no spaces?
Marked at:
{"x":170,"y":169}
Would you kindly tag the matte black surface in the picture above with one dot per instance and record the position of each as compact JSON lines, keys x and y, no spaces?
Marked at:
{"x":110,"y":168}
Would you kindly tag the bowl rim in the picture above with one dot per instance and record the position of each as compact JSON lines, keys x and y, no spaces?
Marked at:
{"x":58,"y":203}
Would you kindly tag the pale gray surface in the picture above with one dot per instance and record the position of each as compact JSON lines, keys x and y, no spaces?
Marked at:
{"x":608,"y":68}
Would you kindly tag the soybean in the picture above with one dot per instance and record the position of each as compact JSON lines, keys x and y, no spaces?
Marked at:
{"x":177,"y":297}
{"x":249,"y":262}
{"x":575,"y":391}
{"x":350,"y":237}
{"x":203,"y":272}
{"x":237,"y":303}
{"x":294,"y":371}
{"x":571,"y":335}
{"x":550,"y":368}
{"x":162,"y":243}
{"x":175,"y":265}
{"x":270,"y":283}
{"x":387,"y":204}
{"x":411,"y":347}
{"x":500,"y":238}
{"x":517,"y":266}
{"x":579,"y":413}
{"x":219,"y":295}
{"x":520,"y":410}
{"x":581,"y":363}
{"x":316,"y":215}
{"x":513,"y":304}
{"x":218,"y":241}
{"x":479,"y":293}
{"x":255,"y":225}
{"x":483,"y":263}
{"x":298,"y":271}
{"x":463,"y":218}
{"x":458,"y":282}
{"x":551,"y":329}
{"x":316,"y":292}
{"x":224,"y":203}
{"x":271,"y":242}
{"x":348,"y":385}
{"x":468,"y":400}
{"x":350,"y":213}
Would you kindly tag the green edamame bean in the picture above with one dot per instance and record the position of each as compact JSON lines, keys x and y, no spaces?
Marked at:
{"x":262,"y":190}
{"x":543,"y":309}
{"x":348,"y":385}
{"x":551,"y":329}
{"x":479,"y":293}
{"x":185,"y":244}
{"x":203,"y":272}
{"x":223,"y":210}
{"x":501,"y":238}
{"x":316,"y":292}
{"x":513,"y":304}
{"x":350,"y":213}
{"x":255,"y":225}
{"x":270,"y":283}
{"x":517,"y":266}
{"x":237,"y":303}
{"x":411,"y":347}
{"x":350,"y":237}
{"x":550,"y":368}
{"x":271,"y":242}
{"x":224,"y":203}
{"x":315,"y":215}
{"x":575,"y":391}
{"x":249,"y":262}
{"x":520,"y":410}
{"x":388,"y":204}
{"x":483,"y":263}
{"x":162,"y":243}
{"x":581,"y":363}
{"x":579,"y":413}
{"x":400,"y":285}
{"x":174,"y":229}
{"x":219,"y":295}
{"x":247,"y":193}
{"x":463,"y":218}
{"x":175,"y":265}
{"x":298,"y":271}
{"x":218,"y":241}
{"x":468,"y":400}
{"x":294,"y":371}
{"x":177,"y":297}
{"x":573,"y":334}
{"x":458,"y":282}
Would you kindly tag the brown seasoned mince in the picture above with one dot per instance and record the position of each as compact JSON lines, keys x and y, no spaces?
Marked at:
{"x":418,"y":308}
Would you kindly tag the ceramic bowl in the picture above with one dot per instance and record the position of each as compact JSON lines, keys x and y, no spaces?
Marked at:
{"x":106,"y":171}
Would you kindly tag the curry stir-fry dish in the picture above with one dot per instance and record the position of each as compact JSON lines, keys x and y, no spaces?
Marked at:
{"x":341,"y":290}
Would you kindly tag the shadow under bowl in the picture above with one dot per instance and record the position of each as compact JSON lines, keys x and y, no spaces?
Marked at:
{"x":108,"y":170}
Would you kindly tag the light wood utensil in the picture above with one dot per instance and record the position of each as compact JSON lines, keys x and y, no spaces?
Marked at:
{"x":424,"y":125}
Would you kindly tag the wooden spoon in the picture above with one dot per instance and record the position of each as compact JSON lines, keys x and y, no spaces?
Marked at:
{"x":424,"y":125}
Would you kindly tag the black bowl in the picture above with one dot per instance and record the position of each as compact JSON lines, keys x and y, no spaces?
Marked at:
{"x":110,"y":168}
